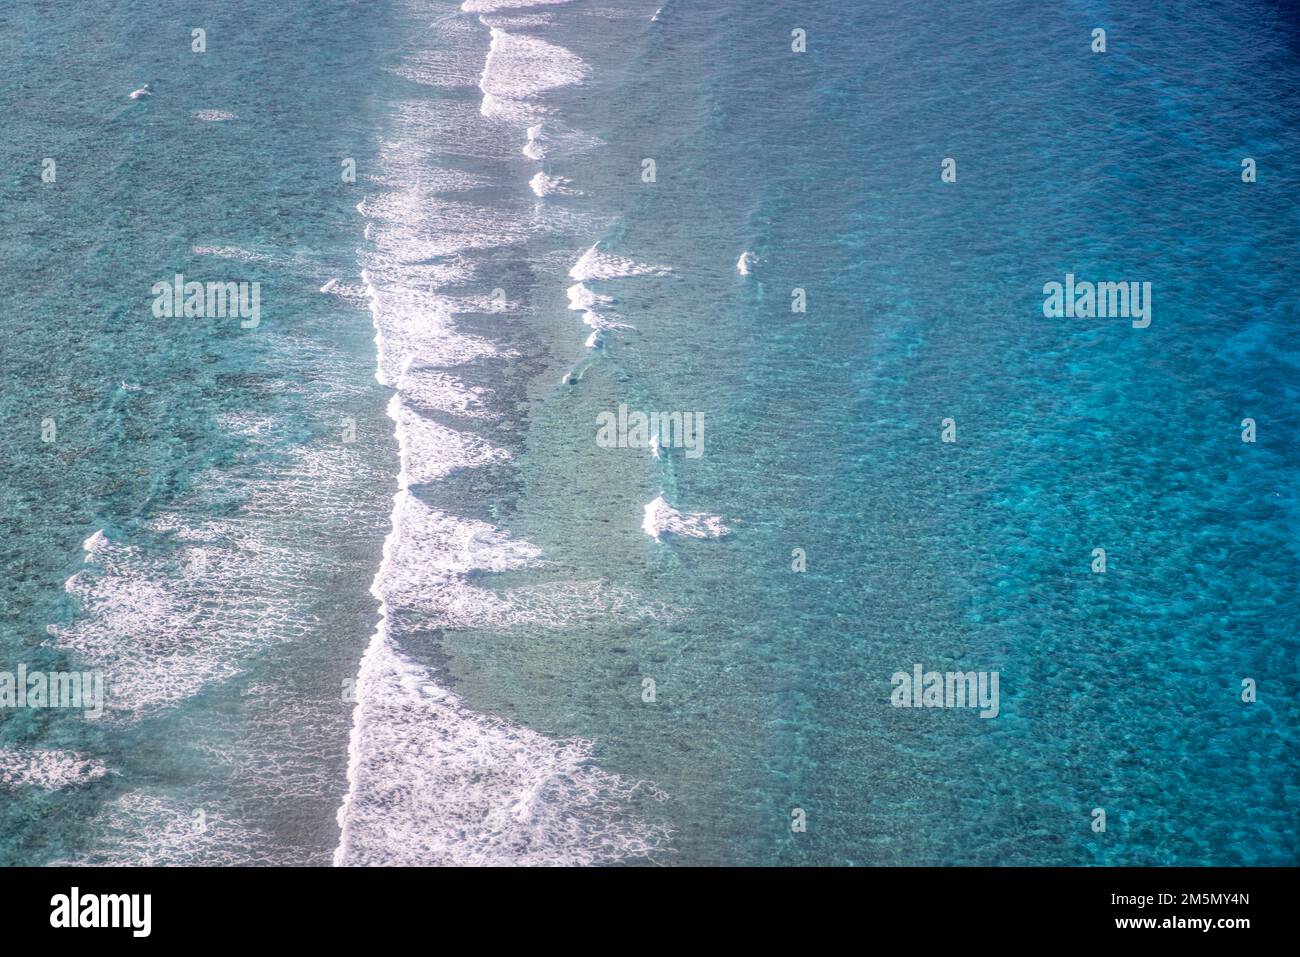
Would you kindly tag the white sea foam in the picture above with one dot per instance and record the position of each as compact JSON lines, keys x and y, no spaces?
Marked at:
{"x":414,"y":226}
{"x":426,"y":575}
{"x":544,"y":185}
{"x":150,"y":829}
{"x":495,"y":6}
{"x":430,"y":781}
{"x":215,"y":116}
{"x":445,"y":64}
{"x":431,"y":451}
{"x":231,"y":252}
{"x":429,"y":551}
{"x":179,"y":604}
{"x":434,"y":783}
{"x":519,"y":21}
{"x":162,"y":634}
{"x":95,"y":544}
{"x":426,"y":182}
{"x":436,"y":129}
{"x":582,"y":299}
{"x":412,"y":321}
{"x":518,"y":68}
{"x":434,"y":390}
{"x":47,"y":770}
{"x":534,"y":147}
{"x":167,"y":619}
{"x":550,"y":138}
{"x":594,"y":264}
{"x":422,"y":244}
{"x":744,"y":263}
{"x":136,"y":625}
{"x":661,"y":518}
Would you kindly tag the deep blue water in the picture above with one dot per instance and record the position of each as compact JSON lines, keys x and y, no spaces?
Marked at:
{"x":499,"y":712}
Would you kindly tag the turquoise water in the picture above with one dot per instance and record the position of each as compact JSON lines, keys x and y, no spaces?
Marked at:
{"x":431,"y":643}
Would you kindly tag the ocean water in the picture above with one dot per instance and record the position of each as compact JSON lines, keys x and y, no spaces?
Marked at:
{"x":365,"y":585}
